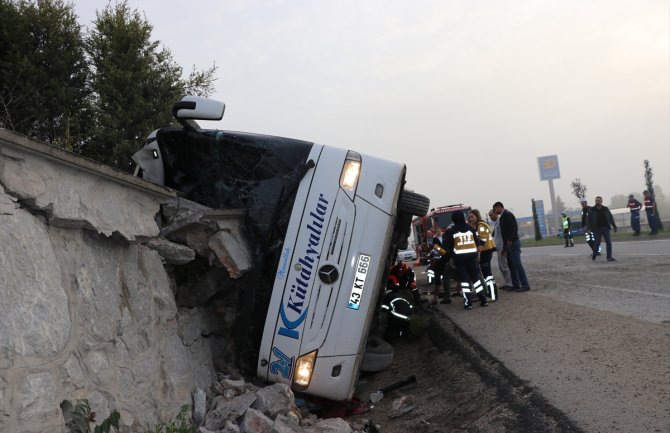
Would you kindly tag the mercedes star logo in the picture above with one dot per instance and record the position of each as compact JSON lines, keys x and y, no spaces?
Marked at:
{"x":328,"y":274}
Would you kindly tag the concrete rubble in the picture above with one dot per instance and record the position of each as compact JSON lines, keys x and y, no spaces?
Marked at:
{"x":232,"y":406}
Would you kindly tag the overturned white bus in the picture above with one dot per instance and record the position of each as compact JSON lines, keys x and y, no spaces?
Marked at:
{"x":325,"y":225}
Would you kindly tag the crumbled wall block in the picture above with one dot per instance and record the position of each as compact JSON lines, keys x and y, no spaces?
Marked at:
{"x":78,"y":193}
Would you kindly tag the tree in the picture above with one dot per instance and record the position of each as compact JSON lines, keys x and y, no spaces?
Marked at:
{"x":536,"y":224}
{"x":578,"y":189}
{"x":560,"y":206}
{"x":134,"y":83}
{"x":43,"y":72}
{"x":99,"y":94}
{"x":649,"y":182}
{"x":200,"y":83}
{"x":13,"y":67}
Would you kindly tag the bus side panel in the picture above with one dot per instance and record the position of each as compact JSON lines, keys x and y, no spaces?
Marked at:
{"x":338,"y":361}
{"x":305,"y":242}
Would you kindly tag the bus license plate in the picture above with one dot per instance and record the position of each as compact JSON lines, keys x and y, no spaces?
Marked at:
{"x":362,"y":268}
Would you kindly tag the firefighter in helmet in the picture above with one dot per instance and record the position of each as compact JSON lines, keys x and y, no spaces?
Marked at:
{"x":402,"y":276}
{"x":398,"y":308}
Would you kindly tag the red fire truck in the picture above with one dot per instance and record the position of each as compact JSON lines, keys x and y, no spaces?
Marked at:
{"x":423,"y":228}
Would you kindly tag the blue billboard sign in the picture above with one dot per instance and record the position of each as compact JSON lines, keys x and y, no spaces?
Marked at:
{"x":549,"y":167}
{"x":541,"y":221}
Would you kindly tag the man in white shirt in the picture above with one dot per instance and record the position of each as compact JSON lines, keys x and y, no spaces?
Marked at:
{"x":502,"y":260}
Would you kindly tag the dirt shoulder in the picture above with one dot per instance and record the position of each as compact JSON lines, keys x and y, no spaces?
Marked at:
{"x":460,"y":388}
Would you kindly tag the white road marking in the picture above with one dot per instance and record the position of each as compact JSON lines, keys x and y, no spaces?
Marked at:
{"x":637,"y":292}
{"x":618,"y":254}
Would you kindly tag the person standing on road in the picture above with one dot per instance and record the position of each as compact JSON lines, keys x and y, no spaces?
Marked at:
{"x":439,"y":269}
{"x":437,"y":241}
{"x":443,"y":272}
{"x":634,"y":205}
{"x":485,"y":248}
{"x":462,"y":242}
{"x":512,"y":247}
{"x":600,"y":221}
{"x":502,"y":260}
{"x":588,"y":234}
{"x":567,"y":230}
{"x":650,"y":209}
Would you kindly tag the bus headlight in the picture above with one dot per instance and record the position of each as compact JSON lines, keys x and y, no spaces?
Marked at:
{"x":304,"y":367}
{"x":350,"y":173}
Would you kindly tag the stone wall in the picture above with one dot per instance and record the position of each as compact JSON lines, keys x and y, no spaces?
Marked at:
{"x":88,"y":309}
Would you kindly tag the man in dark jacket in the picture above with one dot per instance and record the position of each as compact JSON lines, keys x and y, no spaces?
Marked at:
{"x":512,"y":247}
{"x":599,"y":222}
{"x":650,"y":209}
{"x":588,"y":234}
{"x":441,"y":270}
{"x":634,"y":205}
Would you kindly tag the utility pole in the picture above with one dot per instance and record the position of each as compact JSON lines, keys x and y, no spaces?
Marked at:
{"x":549,"y":171}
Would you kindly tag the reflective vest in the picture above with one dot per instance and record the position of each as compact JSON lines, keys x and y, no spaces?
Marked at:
{"x":566,"y":223}
{"x":648,"y":204}
{"x":485,"y":236}
{"x":634,"y":205}
{"x":464,"y":243}
{"x":400,"y":308}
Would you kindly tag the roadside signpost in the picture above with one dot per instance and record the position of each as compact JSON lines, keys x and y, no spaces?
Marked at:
{"x":549,"y":171}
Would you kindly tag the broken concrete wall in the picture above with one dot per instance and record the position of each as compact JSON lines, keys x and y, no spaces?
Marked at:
{"x":88,"y":308}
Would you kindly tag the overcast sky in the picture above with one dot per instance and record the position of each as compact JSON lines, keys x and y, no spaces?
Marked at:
{"x":467,"y":93}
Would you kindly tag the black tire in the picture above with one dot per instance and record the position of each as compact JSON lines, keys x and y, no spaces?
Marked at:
{"x":378,"y":355}
{"x":413,"y":203}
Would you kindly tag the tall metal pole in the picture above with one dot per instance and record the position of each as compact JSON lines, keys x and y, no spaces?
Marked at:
{"x":554,"y":211}
{"x":549,"y":171}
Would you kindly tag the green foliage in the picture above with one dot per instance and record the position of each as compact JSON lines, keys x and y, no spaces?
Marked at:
{"x":78,"y":418}
{"x":180,"y":424}
{"x":649,"y":182}
{"x":43,"y":72}
{"x":649,"y":178}
{"x":200,"y":83}
{"x":111,"y":422}
{"x":134,"y":84}
{"x":536,"y":223}
{"x":98,"y":93}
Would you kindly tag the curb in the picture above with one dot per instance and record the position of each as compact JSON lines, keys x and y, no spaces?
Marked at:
{"x":534,"y":412}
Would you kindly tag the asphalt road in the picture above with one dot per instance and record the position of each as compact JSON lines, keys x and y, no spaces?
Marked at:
{"x":636,"y":285}
{"x":592,"y":337}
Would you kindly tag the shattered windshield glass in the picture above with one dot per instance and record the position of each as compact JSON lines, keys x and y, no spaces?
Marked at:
{"x":257,"y":173}
{"x":229,"y":170}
